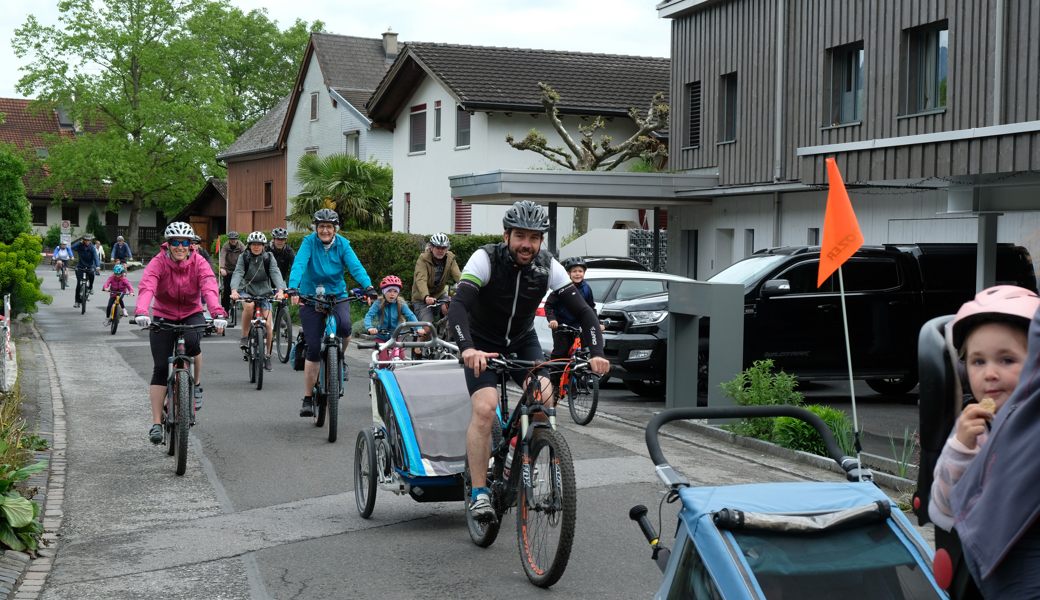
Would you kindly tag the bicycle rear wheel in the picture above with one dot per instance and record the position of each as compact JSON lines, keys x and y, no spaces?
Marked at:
{"x":182,"y":420}
{"x":168,"y":421}
{"x":545,"y":521}
{"x":116,"y":314}
{"x":319,"y":398}
{"x":332,"y":383}
{"x":483,"y":533}
{"x":283,"y":334}
{"x":583,"y":397}
{"x":232,"y":315}
{"x":365,"y":474}
{"x":63,"y":279}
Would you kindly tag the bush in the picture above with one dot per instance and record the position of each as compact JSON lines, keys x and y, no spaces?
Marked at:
{"x":14,"y":207}
{"x":18,"y":528}
{"x":759,"y":386}
{"x":53,"y":236}
{"x":95,"y":226}
{"x":18,"y":262}
{"x":390,"y":252}
{"x":796,"y":434}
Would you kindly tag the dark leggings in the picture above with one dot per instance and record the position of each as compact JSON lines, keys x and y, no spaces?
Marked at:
{"x":313,"y":324}
{"x":111,"y":301}
{"x":163,"y":342}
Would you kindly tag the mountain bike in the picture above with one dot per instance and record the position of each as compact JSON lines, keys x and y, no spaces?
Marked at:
{"x":117,"y":312}
{"x":63,"y":275}
{"x":283,"y":330}
{"x":580,"y":389}
{"x":255,"y":351}
{"x":539,"y":480}
{"x":84,"y":288}
{"x":328,"y":387}
{"x":178,"y":414}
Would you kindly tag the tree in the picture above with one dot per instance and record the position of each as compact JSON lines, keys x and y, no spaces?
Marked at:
{"x":95,"y":226}
{"x":14,"y":207}
{"x":358,"y":190}
{"x":259,"y":61}
{"x":144,"y":92}
{"x":590,"y":155}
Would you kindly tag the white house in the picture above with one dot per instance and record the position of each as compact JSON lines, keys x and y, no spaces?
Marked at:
{"x":450,"y":108}
{"x":327,"y":113}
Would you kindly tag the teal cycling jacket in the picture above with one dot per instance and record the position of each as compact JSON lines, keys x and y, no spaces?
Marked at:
{"x":315,"y":265}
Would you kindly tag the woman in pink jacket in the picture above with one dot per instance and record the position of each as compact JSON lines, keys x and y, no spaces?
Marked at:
{"x":175,"y":280}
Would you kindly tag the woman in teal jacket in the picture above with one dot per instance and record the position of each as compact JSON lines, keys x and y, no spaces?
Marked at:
{"x":323,"y":257}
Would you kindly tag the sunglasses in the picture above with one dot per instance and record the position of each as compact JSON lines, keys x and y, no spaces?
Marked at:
{"x":184,"y":243}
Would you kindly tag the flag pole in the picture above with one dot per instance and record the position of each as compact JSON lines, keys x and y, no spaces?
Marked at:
{"x":852,"y":383}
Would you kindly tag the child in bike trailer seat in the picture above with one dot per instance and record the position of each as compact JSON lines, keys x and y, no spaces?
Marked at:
{"x":388,"y":311}
{"x":116,"y":283}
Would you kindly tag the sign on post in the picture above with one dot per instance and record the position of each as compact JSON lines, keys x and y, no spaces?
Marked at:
{"x":66,"y":227}
{"x":66,"y":238}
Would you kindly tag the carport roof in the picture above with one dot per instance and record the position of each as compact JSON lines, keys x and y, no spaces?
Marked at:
{"x":595,"y":189}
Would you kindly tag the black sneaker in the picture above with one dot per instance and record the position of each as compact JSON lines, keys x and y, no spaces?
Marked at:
{"x":244,"y":342}
{"x":198,"y":398}
{"x":155,"y":434}
{"x":307,"y":410}
{"x":267,"y":364}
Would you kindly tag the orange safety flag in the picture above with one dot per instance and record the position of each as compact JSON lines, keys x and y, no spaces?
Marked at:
{"x":218,"y":244}
{"x":841,"y":234}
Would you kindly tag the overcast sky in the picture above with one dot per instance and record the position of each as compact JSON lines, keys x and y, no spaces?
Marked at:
{"x":607,"y":26}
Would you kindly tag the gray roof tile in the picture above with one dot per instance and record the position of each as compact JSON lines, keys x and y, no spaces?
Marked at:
{"x":351,"y":62}
{"x":261,"y":137}
{"x":357,"y":98}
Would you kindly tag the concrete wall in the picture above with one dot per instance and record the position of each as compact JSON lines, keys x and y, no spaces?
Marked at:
{"x":373,"y":143}
{"x":148,"y":214}
{"x":324,"y":133}
{"x":884,"y":218}
{"x":425,"y":175}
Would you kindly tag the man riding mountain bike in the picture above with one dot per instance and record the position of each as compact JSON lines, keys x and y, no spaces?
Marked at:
{"x":89,"y":263}
{"x":492,"y":313}
{"x":429,"y":284}
{"x":324,"y":256}
{"x":282,"y":252}
{"x":227,"y":260}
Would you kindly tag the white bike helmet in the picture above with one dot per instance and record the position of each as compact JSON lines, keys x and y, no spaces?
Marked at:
{"x":256,"y":236}
{"x":440,"y":240}
{"x":178,"y":229}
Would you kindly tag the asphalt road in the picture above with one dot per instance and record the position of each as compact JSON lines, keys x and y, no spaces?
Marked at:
{"x":266,"y":508}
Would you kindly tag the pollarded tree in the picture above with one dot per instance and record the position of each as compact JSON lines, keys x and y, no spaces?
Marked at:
{"x":588,"y":154}
{"x":144,"y":92}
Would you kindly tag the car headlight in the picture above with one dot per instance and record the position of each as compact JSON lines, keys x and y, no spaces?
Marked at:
{"x":647,"y":317}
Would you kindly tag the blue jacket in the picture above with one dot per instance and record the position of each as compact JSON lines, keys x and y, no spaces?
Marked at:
{"x":314,"y":264}
{"x":558,"y":312}
{"x":388,"y":319}
{"x":121,"y":252}
{"x":88,"y":256}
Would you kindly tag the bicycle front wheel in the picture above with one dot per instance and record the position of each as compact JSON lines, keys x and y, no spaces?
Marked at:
{"x":545,"y":519}
{"x":332,"y":383}
{"x":182,"y":390}
{"x":83,"y":293}
{"x":63,"y":279}
{"x":283,"y":334}
{"x":583,"y":397}
{"x":115,"y":318}
{"x":259,"y":345}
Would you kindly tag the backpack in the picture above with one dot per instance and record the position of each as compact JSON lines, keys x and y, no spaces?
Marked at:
{"x":298,"y":354}
{"x":267,"y":267}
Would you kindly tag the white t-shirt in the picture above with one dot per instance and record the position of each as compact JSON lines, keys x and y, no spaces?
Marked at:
{"x":478,"y":271}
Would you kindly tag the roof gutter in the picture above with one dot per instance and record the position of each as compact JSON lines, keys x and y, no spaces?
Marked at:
{"x":538,"y":108}
{"x":223,"y":157}
{"x":354,"y":111}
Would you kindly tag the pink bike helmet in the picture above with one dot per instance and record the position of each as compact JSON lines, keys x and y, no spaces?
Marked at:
{"x":1002,"y":303}
{"x":390,"y":281}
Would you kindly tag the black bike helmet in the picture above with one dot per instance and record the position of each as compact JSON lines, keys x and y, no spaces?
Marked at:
{"x":233,"y":235}
{"x":574,"y":261}
{"x":280,"y":233}
{"x":526,"y":215}
{"x":326,"y":215}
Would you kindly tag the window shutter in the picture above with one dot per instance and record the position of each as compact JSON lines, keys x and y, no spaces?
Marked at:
{"x":418,"y":133}
{"x":463,"y":216}
{"x":695,"y":115}
{"x":461,"y":127}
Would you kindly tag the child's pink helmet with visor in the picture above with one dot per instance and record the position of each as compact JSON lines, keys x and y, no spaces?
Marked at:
{"x":998,"y":304}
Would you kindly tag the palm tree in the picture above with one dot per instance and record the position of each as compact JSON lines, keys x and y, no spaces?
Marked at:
{"x":358,"y":190}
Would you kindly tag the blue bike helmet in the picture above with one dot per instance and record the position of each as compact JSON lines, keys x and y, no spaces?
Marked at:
{"x":119,"y":270}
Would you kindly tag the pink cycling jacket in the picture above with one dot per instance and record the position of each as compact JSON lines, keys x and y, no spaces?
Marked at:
{"x":176,"y":287}
{"x":119,"y":284}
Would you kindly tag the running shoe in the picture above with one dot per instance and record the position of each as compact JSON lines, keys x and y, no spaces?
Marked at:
{"x":155,"y":434}
{"x":307,"y":410}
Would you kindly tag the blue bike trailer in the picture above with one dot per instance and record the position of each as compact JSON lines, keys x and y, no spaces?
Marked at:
{"x":773,"y":541}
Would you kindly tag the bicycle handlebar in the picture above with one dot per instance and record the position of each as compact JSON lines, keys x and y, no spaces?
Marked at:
{"x":568,"y":329}
{"x":248,"y":298}
{"x":163,"y":326}
{"x":851,"y":466}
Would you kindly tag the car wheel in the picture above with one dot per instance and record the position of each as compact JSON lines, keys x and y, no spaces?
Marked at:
{"x":894,"y":387}
{"x":648,"y":388}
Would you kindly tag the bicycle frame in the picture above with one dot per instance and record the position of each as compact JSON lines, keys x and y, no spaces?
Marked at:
{"x":116,"y":308}
{"x":180,"y":361}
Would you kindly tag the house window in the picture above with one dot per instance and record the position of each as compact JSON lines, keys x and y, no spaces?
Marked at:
{"x":462,"y":119}
{"x":70,"y":214}
{"x":437,"y":120}
{"x":846,"y":84}
{"x":314,"y":106}
{"x":693,"y":133}
{"x":728,"y":108}
{"x":417,"y":129}
{"x":463,"y":216}
{"x":268,"y":202}
{"x":39,"y":214}
{"x":311,"y":150}
{"x":407,"y":212}
{"x":354,"y":145}
{"x":749,"y":242}
{"x":813,"y":238}
{"x":927,"y":54}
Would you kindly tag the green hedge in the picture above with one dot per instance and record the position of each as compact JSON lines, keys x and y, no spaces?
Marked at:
{"x":391,"y":252}
{"x":18,"y":262}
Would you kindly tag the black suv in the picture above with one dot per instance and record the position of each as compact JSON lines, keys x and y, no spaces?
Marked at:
{"x":890,"y":291}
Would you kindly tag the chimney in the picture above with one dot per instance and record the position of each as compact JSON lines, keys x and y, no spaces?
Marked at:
{"x":390,"y":44}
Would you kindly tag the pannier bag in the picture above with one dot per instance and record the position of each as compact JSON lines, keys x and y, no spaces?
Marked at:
{"x":298,"y":354}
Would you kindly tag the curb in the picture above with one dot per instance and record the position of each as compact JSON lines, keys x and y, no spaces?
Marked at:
{"x":23,"y":577}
